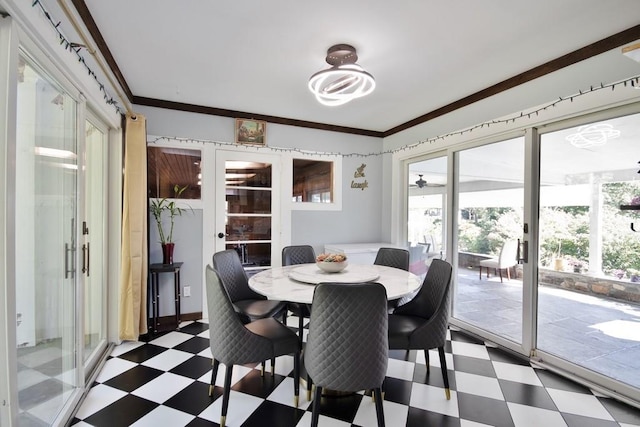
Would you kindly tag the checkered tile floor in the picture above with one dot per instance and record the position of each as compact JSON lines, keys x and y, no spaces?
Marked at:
{"x":165,"y":383}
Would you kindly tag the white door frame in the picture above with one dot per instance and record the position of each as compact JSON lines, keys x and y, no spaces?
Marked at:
{"x":213,"y":197}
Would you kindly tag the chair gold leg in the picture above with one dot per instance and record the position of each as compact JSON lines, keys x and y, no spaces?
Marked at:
{"x":295,"y":401}
{"x":210,"y":390}
{"x":373,"y":396}
{"x":447,"y":393}
{"x":223,"y":420}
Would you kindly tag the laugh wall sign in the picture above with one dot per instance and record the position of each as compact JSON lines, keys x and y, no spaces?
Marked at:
{"x":359,"y":173}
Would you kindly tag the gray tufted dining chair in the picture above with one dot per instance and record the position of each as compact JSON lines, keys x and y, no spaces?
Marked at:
{"x":247,"y":302}
{"x":347,"y":347}
{"x":421,"y":324}
{"x":294,"y":255}
{"x":235,"y":343}
{"x":396,"y":258}
{"x":393,"y":257}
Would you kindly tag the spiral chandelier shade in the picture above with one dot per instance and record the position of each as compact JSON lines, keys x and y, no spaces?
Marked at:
{"x":344,"y":81}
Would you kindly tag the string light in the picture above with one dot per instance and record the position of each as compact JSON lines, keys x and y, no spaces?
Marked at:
{"x":512,"y":119}
{"x":75,"y":48}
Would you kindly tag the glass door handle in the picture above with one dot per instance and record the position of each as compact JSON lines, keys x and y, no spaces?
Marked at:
{"x":85,"y":259}
{"x":68,"y":261}
{"x":523,"y":252}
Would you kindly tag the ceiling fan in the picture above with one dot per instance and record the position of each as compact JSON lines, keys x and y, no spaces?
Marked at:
{"x":421,"y":183}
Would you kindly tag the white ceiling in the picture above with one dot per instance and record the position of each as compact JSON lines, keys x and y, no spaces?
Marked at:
{"x":257,"y":56}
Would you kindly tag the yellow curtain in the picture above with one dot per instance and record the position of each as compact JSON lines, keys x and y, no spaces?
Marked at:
{"x":133,"y":272}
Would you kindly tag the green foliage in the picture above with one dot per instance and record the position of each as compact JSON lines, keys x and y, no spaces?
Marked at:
{"x":488,"y":228}
{"x":564,"y":230}
{"x":159,"y":206}
{"x":564,"y":233}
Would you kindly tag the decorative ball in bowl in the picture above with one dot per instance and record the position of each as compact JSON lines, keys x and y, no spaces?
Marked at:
{"x":331,"y":263}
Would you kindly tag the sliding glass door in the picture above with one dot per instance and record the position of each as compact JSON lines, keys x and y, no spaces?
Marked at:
{"x":426,"y":212}
{"x":489,"y":287}
{"x":588,"y":263}
{"x":93,"y":250}
{"x":46,"y":248}
{"x":571,"y":298}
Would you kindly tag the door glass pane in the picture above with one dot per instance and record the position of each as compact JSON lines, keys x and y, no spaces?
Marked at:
{"x":426,"y":206}
{"x":248,"y":211}
{"x":94,"y":238}
{"x":588,"y":256}
{"x":490,"y":212}
{"x":45,"y":250}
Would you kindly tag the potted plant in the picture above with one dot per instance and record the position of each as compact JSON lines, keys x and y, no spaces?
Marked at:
{"x":558,"y":261}
{"x":634,"y":275}
{"x":158,"y":207}
{"x":618,"y":273}
{"x":577,"y":265}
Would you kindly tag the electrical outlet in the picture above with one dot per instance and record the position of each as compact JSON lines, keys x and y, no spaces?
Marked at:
{"x":186,"y":291}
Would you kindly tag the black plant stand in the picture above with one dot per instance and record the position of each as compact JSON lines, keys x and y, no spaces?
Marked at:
{"x":155,"y":270}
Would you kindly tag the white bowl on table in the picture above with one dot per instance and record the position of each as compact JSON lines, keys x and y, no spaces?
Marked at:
{"x":332,"y":267}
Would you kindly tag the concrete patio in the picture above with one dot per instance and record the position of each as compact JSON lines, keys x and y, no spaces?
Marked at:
{"x":598,"y":333}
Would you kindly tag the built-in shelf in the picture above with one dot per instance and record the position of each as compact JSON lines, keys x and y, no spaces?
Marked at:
{"x":630,"y":207}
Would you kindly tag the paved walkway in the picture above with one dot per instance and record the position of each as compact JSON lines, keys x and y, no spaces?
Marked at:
{"x":600,"y":334}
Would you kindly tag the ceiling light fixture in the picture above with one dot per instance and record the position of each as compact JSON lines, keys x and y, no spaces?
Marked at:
{"x":344,"y":81}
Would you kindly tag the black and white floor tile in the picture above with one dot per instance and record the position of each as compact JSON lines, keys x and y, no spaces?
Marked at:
{"x":164,"y":382}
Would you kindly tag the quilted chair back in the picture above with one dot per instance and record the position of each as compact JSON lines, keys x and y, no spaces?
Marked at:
{"x":234,"y":278}
{"x":301,"y":254}
{"x":347,"y":345}
{"x":230,"y":341}
{"x":432,"y":302}
{"x":393,"y":257}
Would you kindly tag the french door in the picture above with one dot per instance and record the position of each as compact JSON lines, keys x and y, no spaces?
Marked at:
{"x":247,"y":207}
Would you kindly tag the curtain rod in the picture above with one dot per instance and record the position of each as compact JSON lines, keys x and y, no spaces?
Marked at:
{"x":93,"y":51}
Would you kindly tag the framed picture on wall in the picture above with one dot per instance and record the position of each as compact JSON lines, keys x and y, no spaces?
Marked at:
{"x":251,"y":132}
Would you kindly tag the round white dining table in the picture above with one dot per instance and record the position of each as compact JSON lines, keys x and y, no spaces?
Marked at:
{"x":296,"y":283}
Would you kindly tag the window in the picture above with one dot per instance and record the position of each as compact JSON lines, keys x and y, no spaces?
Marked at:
{"x":170,"y":167}
{"x":312,"y":181}
{"x":316,"y":184}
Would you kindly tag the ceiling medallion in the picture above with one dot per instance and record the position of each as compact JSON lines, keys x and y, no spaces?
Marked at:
{"x":344,"y":81}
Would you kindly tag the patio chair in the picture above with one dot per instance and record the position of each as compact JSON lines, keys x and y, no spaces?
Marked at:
{"x":506,"y":260}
